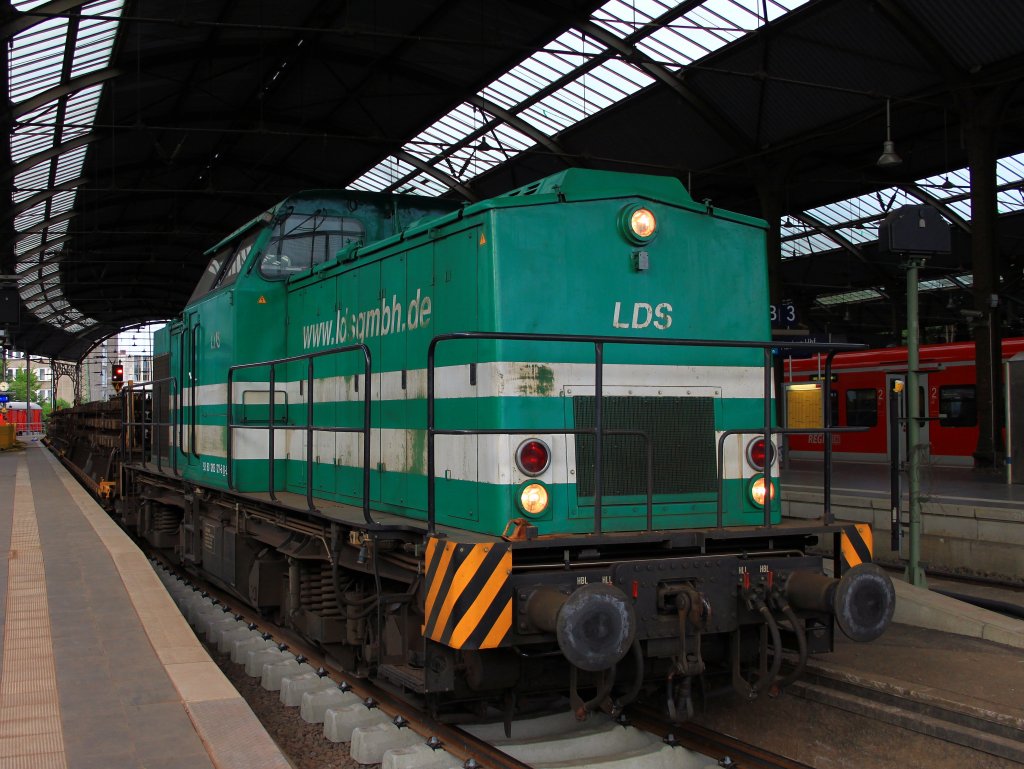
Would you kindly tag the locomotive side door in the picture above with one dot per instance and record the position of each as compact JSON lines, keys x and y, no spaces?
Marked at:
{"x":452,"y":304}
{"x":190,"y":387}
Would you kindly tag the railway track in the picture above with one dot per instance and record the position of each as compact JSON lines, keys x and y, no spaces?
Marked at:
{"x":382,"y":728}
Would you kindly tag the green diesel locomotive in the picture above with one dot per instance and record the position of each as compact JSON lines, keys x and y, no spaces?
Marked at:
{"x":490,"y":451}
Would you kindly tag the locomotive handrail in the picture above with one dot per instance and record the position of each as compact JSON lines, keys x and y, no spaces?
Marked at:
{"x":127,"y":450}
{"x":775,"y":431}
{"x":309,"y":427}
{"x":598,"y":431}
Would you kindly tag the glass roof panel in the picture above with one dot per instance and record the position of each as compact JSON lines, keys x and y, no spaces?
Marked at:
{"x":850,"y":297}
{"x":386,"y":173}
{"x":935,"y":284}
{"x":575,"y":76}
{"x":811,"y":243}
{"x":69,"y":165}
{"x":96,"y":38}
{"x":948,"y":185}
{"x":30,"y":218}
{"x":33,"y":67}
{"x":28,"y":242}
{"x":859,"y":234}
{"x":37,"y":63}
{"x":80,"y":112}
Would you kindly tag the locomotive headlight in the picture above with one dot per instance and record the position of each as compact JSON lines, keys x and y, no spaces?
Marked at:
{"x":533,"y":498}
{"x":757,"y":491}
{"x":638,"y":224}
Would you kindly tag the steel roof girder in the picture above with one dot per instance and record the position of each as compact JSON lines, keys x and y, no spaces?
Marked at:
{"x":437,"y":173}
{"x":45,"y":195}
{"x":28,"y":19}
{"x":48,"y":154}
{"x":707,"y":111}
{"x":72,"y":85}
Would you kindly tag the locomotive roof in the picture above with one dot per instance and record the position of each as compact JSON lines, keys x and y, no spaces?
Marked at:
{"x":577,"y":184}
{"x":329,"y":200}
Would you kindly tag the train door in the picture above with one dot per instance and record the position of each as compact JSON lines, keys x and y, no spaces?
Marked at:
{"x":899,"y":404}
{"x":393,"y":368}
{"x":190,"y":388}
{"x":1014,"y":378}
{"x":313,"y":308}
{"x":191,"y":545}
{"x":452,"y":305}
{"x":359,"y":302}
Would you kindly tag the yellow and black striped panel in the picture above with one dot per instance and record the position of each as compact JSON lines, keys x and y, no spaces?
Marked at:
{"x":857,"y":545}
{"x":469,"y":595}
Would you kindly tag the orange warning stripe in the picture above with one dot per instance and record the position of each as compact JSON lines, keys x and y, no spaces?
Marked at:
{"x":857,"y":545}
{"x":446,"y":556}
{"x":468,"y":601}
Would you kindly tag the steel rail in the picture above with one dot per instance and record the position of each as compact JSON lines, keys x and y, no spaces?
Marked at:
{"x":456,"y":741}
{"x":703,"y":740}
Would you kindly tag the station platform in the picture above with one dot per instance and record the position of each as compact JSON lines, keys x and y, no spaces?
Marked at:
{"x":99,"y":668}
{"x":972,"y":520}
{"x":942,"y":688}
{"x":939,"y":483}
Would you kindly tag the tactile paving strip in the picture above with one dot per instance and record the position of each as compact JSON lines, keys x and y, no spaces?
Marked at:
{"x":30,"y":726}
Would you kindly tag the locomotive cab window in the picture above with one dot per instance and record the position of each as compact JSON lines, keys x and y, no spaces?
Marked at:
{"x":302,"y":241}
{"x":957,"y":406}
{"x":234,"y":264}
{"x":223,"y":267}
{"x":861,"y":407}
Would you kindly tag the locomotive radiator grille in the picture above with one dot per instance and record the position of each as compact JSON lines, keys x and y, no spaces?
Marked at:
{"x":682,"y":431}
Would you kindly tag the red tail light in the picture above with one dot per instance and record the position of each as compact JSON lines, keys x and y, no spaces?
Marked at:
{"x":533,"y":457}
{"x":758,"y":451}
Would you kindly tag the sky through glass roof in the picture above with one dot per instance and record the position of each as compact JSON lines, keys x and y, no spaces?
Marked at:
{"x":572,"y":78}
{"x":53,"y":73}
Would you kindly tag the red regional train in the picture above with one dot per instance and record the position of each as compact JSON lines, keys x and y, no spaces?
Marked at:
{"x":860,"y":384}
{"x":26,"y":417}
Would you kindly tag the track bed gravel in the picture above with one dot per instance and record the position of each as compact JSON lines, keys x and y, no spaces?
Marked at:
{"x":304,"y":744}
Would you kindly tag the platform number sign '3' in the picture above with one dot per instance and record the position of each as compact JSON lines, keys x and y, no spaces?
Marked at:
{"x":783,"y":315}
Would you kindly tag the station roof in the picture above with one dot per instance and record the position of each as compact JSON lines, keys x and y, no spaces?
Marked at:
{"x":143,"y":132}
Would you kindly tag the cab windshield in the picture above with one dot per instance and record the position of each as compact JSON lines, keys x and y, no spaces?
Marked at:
{"x":302,"y":241}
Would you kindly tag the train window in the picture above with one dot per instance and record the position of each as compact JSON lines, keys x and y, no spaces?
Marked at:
{"x":234,"y":265}
{"x":833,"y":407}
{"x":302,"y":241}
{"x":862,"y":407}
{"x":958,"y":406}
{"x":209,"y":277}
{"x":223,"y":267}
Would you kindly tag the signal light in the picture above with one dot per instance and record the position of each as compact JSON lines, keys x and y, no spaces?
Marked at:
{"x":117,"y":373}
{"x":533,"y":456}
